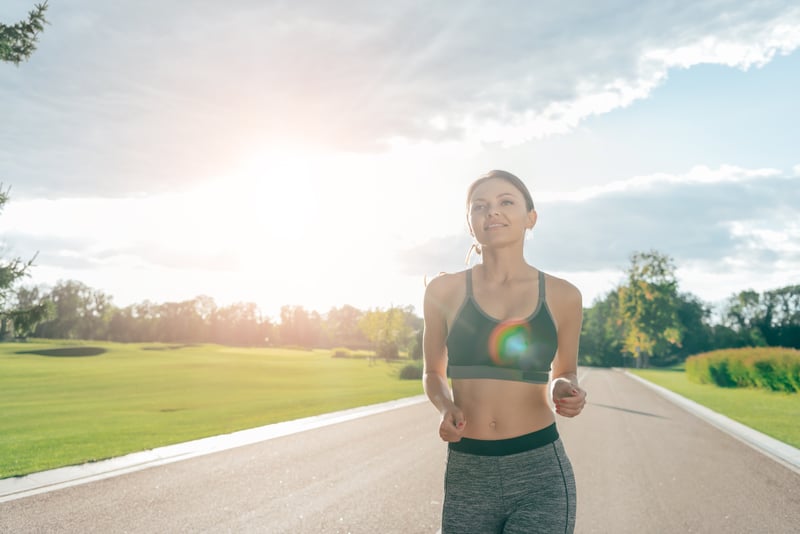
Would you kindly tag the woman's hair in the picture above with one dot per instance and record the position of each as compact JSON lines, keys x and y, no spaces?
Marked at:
{"x":502,"y":175}
{"x":508,"y":177}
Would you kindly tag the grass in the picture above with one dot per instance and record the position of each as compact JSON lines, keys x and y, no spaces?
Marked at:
{"x":773,"y":413}
{"x":64,"y":409}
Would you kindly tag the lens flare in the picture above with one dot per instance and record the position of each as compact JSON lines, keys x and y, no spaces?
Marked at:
{"x":511,"y":344}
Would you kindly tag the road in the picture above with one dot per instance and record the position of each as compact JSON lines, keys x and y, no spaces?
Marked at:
{"x":642,"y":465}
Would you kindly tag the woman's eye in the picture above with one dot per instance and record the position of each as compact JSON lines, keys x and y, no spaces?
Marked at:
{"x":477,"y":207}
{"x":507,"y":202}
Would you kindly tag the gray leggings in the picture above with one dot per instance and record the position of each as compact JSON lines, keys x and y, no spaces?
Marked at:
{"x":525,"y":492}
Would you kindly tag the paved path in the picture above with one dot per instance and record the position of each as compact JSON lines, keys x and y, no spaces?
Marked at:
{"x":643,"y":465}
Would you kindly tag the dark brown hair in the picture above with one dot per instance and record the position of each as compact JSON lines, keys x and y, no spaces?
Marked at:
{"x":508,"y":177}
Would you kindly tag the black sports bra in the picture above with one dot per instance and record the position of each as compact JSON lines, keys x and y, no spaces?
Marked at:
{"x":480,"y":346}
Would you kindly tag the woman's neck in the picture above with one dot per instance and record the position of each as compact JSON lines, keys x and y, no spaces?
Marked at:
{"x":499,"y":266}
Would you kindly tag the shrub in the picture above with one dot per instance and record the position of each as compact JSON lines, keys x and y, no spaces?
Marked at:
{"x":388,"y":351}
{"x":772,"y":368}
{"x":342,"y":352}
{"x":411,"y":371}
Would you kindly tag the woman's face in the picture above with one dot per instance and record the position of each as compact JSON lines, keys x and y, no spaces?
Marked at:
{"x":498,"y":213}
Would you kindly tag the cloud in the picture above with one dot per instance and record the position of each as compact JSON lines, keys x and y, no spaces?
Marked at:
{"x":140,"y":97}
{"x":723,"y":218}
{"x":76,"y":253}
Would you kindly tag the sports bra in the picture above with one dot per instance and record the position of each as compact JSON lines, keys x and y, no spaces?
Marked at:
{"x":480,"y":346}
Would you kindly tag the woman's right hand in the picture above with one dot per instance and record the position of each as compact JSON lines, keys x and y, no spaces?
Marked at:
{"x":451,"y":429}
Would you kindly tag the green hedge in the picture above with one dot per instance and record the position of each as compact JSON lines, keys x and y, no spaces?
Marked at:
{"x":773,"y":368}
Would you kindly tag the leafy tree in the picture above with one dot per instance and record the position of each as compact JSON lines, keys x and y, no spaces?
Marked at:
{"x":16,"y":313}
{"x":388,"y":330}
{"x":770,"y":318}
{"x":240,"y":324}
{"x":649,"y":308}
{"x":18,"y":41}
{"x":696,"y":331}
{"x":76,"y":312}
{"x":31,"y":308}
{"x":784,"y":306}
{"x":300,"y":327}
{"x":342,"y":330}
{"x":603,"y":335}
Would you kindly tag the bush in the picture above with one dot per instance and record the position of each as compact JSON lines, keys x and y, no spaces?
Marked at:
{"x":341,"y":352}
{"x":772,"y":368}
{"x":411,"y":371}
{"x":388,"y":351}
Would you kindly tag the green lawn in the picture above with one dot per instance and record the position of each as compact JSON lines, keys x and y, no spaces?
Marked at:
{"x":64,"y":410}
{"x":775,"y":414}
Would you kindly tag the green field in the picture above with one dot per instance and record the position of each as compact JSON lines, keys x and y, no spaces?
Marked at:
{"x":772,"y":413}
{"x":58,"y":410}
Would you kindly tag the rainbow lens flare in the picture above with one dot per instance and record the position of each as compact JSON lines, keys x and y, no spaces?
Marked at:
{"x":511,"y":344}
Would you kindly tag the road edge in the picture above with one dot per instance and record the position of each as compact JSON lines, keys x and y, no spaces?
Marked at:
{"x":63,"y":477}
{"x":777,"y":450}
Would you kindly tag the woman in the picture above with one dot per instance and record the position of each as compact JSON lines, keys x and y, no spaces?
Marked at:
{"x":502,"y":331}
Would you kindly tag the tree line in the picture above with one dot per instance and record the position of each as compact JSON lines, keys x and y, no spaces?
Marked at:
{"x":73,"y":310}
{"x":647,"y":320}
{"x":644,"y":321}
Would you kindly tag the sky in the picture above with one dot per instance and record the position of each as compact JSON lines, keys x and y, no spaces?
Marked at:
{"x":318,"y":153}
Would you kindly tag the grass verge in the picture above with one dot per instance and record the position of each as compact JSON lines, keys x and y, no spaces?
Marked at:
{"x":773,"y":413}
{"x":65,"y":410}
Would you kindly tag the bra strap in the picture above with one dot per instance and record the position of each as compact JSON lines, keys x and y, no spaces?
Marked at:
{"x":541,"y":286}
{"x":469,"y":282}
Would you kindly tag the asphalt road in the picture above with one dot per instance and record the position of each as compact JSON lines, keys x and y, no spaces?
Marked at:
{"x":642,"y":465}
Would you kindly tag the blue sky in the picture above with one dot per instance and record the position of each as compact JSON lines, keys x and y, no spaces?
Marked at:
{"x":318,"y":154}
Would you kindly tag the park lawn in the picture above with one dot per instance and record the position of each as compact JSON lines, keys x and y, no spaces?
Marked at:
{"x":58,"y":410}
{"x":773,"y":413}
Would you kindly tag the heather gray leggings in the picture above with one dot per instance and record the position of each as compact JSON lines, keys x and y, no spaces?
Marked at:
{"x":525,"y":492}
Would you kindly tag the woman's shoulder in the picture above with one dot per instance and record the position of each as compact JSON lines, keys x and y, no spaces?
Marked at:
{"x":446,"y":288}
{"x":562,"y":291}
{"x":444,"y":283}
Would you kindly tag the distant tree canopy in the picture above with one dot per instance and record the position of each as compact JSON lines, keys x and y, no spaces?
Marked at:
{"x":644,"y":321}
{"x":18,"y":41}
{"x":647,"y":321}
{"x":17,"y":316}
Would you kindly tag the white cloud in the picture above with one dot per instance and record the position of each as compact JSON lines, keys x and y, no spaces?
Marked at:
{"x":720,"y":218}
{"x":146,"y":97}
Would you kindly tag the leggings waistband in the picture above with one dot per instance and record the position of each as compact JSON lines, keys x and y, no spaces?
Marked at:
{"x":504,"y":447}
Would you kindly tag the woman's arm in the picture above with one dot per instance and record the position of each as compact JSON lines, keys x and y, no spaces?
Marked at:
{"x":434,"y":347}
{"x":568,"y":397}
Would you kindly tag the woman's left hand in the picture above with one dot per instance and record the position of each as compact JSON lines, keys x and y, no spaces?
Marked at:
{"x":568,"y":398}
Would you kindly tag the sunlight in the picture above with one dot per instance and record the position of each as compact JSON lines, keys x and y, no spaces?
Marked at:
{"x":269,"y":209}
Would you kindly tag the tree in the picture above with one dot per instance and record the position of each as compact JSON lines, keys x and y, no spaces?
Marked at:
{"x":784,"y":304}
{"x":770,"y":318}
{"x":31,"y":308}
{"x":342,"y":330}
{"x":240,"y":324}
{"x":388,"y":330}
{"x":649,"y":308}
{"x":299,"y":327}
{"x":603,"y":335}
{"x":15,"y":312}
{"x":72,"y":302}
{"x":18,"y":41}
{"x":696,"y":331}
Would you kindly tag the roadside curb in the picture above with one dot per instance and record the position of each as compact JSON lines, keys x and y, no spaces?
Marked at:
{"x":64,"y":477}
{"x":769,"y":446}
